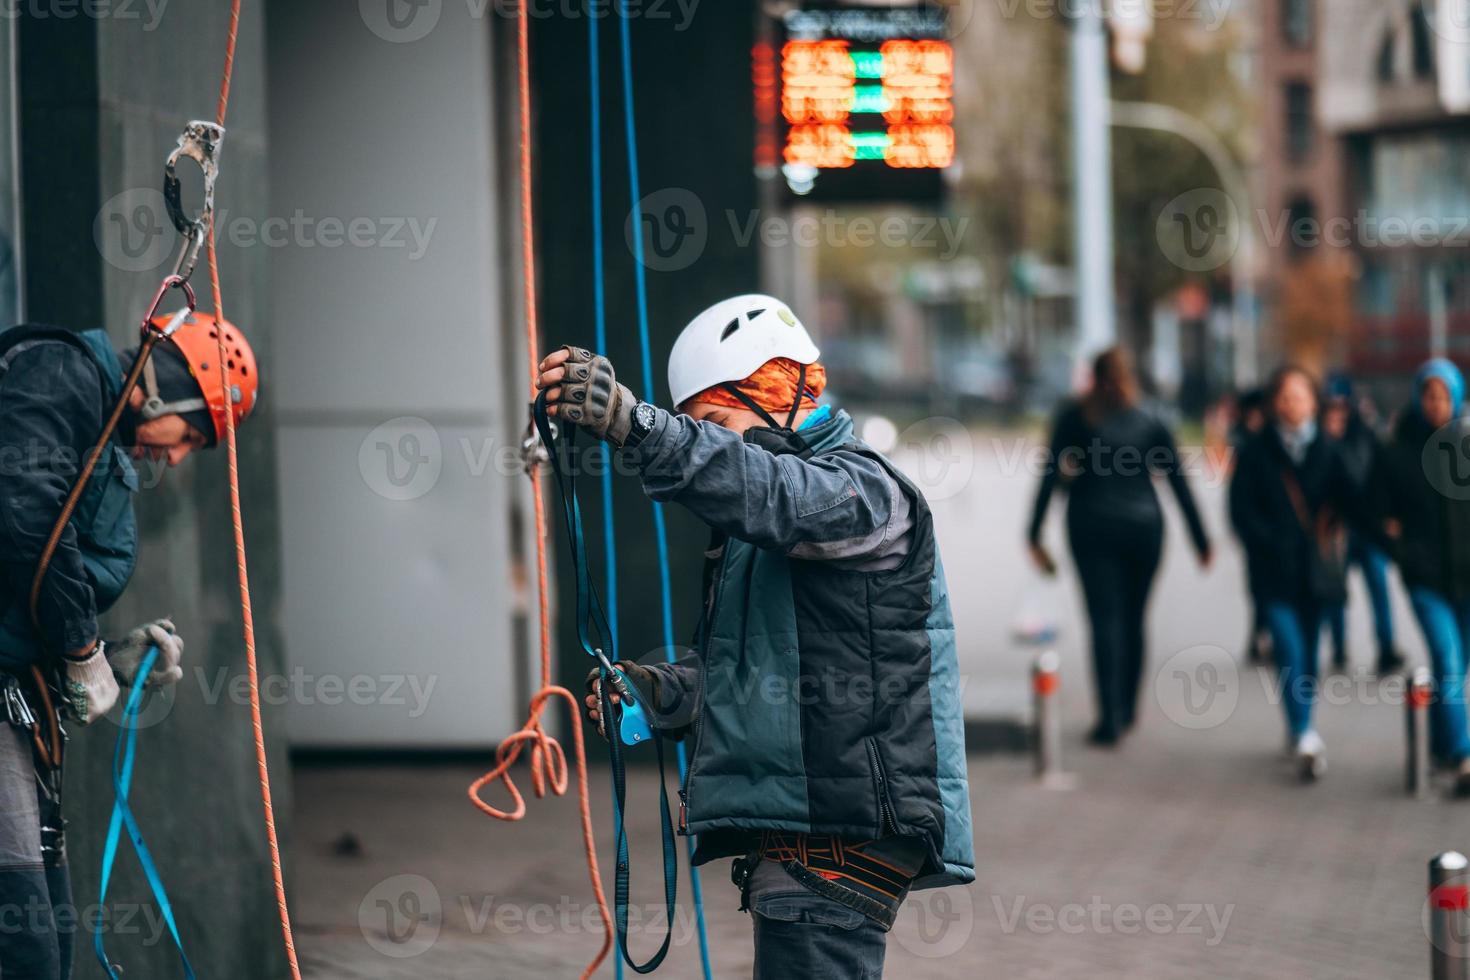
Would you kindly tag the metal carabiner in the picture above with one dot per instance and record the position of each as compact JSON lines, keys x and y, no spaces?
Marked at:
{"x":200,"y":142}
{"x":169,"y":282}
{"x":534,"y":453}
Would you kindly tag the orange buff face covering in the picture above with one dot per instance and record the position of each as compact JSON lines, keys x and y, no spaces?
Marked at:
{"x":772,"y":387}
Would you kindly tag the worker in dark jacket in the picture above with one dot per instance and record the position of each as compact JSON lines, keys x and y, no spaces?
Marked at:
{"x":1290,"y":498}
{"x":1106,"y":452}
{"x":828,"y":743}
{"x":56,"y":390}
{"x":1424,"y":497}
{"x":1343,"y":422}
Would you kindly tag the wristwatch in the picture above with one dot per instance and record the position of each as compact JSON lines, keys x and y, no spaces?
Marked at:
{"x":645,"y":417}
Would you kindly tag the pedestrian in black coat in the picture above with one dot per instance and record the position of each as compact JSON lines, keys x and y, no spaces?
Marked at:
{"x":1106,"y":451}
{"x":1289,"y":499}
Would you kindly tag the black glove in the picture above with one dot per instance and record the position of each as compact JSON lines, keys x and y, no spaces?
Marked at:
{"x":592,"y":399}
{"x":645,"y":688}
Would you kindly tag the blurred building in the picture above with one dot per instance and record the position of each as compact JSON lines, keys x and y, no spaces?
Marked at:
{"x":1365,"y":182}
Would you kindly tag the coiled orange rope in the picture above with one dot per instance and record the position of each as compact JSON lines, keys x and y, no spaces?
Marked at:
{"x":548,"y":759}
{"x":232,"y":455}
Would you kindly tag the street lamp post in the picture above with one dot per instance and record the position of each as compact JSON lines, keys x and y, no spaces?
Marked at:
{"x":1092,"y":180}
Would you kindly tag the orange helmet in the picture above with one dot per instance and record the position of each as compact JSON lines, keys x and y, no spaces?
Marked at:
{"x":196,"y":337}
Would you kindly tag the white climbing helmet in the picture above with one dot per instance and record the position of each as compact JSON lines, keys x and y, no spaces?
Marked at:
{"x":731,"y":340}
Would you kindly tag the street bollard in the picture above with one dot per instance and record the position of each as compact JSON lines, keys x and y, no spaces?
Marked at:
{"x":1416,"y":725}
{"x":1449,"y":917}
{"x":1046,"y":677}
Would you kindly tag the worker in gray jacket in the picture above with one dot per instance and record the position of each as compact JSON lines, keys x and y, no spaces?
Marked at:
{"x":822,"y":694}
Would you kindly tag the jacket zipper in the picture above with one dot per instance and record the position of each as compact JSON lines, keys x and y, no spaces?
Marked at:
{"x":703,"y":694}
{"x":885,"y":811}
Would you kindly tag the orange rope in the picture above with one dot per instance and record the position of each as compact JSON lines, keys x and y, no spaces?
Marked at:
{"x":548,"y":759}
{"x":232,"y":455}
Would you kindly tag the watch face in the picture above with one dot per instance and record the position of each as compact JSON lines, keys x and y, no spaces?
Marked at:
{"x":644,"y":416}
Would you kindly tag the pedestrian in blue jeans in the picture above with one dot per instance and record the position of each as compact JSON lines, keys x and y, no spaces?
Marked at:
{"x":1422,"y":489}
{"x":1359,"y":447}
{"x":1289,"y":499}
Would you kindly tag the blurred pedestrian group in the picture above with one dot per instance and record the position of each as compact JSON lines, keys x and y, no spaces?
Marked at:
{"x":1320,"y":486}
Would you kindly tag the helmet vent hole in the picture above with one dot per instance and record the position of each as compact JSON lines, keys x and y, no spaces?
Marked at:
{"x":231,"y":364}
{"x":752,"y":314}
{"x":730,"y":328}
{"x":213,"y":334}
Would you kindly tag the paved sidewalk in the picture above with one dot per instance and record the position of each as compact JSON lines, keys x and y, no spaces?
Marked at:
{"x":1190,"y":852}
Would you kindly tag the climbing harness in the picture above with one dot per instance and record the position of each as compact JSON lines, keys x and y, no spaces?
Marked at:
{"x":626,"y":722}
{"x":123,"y":757}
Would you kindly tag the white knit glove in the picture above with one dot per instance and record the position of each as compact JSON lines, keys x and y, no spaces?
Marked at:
{"x":90,"y":688}
{"x":127,"y":654}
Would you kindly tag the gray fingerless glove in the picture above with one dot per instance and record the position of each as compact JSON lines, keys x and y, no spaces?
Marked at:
{"x":592,"y":399}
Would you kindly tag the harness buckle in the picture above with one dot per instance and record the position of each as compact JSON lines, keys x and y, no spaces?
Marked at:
{"x":200,"y":142}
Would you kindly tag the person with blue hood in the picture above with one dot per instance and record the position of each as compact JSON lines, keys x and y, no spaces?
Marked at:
{"x":1422,"y":490}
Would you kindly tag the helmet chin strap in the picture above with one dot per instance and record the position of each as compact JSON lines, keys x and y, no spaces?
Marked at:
{"x":770,"y":420}
{"x":154,"y":406}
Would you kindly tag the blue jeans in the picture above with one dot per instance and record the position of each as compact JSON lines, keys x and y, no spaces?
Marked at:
{"x":799,"y":933}
{"x":1295,"y":630}
{"x":1374,"y":565}
{"x":1446,"y":627}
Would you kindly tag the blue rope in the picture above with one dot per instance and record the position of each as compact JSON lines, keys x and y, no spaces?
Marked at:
{"x":646,"y":347}
{"x":599,"y":294}
{"x":123,"y":756}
